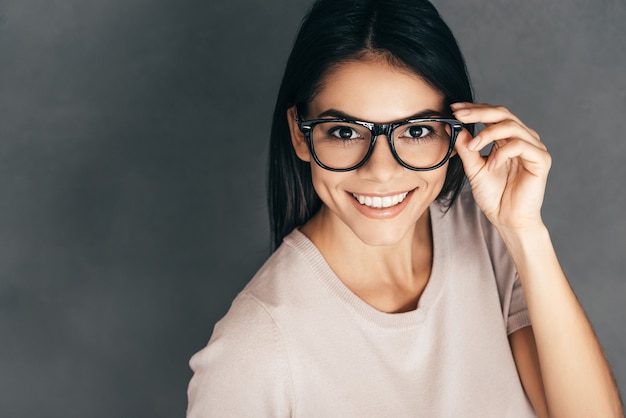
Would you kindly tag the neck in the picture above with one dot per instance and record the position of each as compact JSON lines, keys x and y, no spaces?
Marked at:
{"x":389,"y":278}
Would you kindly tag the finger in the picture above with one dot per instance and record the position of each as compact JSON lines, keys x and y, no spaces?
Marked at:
{"x":461,"y":105}
{"x":483,"y":113}
{"x":504,"y":130}
{"x":535,"y":134}
{"x":487,"y":114}
{"x":473,"y":162}
{"x":535,"y":160}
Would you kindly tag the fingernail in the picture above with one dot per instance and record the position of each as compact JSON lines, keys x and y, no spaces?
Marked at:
{"x":462,"y":112}
{"x":473,"y":144}
{"x":458,"y":105}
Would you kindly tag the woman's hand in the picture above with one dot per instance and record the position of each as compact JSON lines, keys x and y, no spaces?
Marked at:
{"x":509,"y":183}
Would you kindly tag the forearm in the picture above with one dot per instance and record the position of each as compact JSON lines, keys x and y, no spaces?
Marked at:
{"x":576,"y":375}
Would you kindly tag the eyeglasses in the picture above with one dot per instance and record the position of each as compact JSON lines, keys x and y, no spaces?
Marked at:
{"x":344,"y":145}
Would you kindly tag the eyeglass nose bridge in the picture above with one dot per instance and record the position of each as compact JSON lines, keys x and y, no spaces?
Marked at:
{"x":382,"y":129}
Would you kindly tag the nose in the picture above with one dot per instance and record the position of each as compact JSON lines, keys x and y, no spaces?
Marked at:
{"x":381,"y":166}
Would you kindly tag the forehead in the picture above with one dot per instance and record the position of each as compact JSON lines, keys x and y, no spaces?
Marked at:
{"x":376,"y":91}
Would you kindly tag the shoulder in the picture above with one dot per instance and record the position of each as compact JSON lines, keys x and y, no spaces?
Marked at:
{"x":465,"y":221}
{"x":244,"y":369}
{"x":247,"y":320}
{"x":476,"y":240}
{"x":290,"y":276}
{"x":468,"y":221}
{"x":249,"y":334}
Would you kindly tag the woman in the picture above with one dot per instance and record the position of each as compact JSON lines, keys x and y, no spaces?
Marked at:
{"x":393,"y":292}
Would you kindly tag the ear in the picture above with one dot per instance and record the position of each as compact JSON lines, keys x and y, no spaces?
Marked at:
{"x":297,"y":138}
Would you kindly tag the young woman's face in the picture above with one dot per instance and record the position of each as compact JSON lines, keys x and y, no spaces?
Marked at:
{"x":373,"y":91}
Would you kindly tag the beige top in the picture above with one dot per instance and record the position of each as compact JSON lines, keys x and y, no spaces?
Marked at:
{"x":298,"y":343}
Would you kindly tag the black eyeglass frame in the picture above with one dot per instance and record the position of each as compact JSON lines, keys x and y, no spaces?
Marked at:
{"x":376,"y":129}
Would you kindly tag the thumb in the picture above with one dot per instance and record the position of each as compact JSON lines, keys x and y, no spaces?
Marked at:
{"x":473,"y":162}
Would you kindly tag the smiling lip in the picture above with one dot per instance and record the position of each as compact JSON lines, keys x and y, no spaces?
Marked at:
{"x":381,"y":207}
{"x":379,"y":202}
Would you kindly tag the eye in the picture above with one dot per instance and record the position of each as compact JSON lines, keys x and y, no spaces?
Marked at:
{"x":417,"y":131}
{"x":344,"y":132}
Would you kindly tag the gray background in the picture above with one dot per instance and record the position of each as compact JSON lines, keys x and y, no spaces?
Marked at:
{"x":132,"y":202}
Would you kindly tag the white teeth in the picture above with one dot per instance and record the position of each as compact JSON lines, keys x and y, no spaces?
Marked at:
{"x":380,"y":202}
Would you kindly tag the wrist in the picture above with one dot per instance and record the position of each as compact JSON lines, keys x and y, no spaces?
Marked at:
{"x":525,"y":240}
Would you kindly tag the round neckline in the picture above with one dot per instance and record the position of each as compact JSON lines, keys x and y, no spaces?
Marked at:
{"x":403,"y":320}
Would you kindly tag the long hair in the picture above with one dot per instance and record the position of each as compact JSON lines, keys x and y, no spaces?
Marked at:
{"x":409,"y":33}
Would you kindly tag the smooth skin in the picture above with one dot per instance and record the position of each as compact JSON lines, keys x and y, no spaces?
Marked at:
{"x":559,"y":359}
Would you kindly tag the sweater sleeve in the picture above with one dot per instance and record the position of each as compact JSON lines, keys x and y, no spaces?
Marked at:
{"x":518,"y":316}
{"x":243,"y":371}
{"x":512,"y":299}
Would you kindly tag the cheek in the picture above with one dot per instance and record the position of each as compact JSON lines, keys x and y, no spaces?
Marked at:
{"x":434,"y":180}
{"x":331,"y":187}
{"x":438,"y":176}
{"x":324,"y":181}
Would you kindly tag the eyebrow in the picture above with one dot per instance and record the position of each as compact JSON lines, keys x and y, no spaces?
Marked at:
{"x":334,"y":113}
